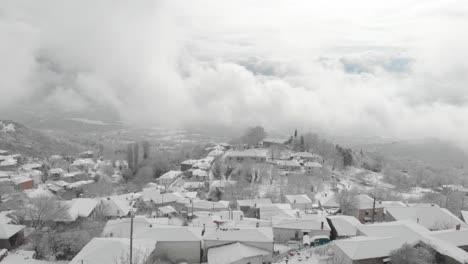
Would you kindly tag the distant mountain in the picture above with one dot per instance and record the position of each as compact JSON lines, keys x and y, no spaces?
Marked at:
{"x":17,"y":138}
{"x":431,"y":151}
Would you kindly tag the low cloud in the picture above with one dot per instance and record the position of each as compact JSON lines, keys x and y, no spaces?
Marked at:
{"x":372,"y":68}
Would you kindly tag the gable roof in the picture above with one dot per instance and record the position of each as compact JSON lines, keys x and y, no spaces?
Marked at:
{"x":254,"y":202}
{"x":464,"y":216}
{"x":458,"y":238}
{"x":7,"y":230}
{"x":109,"y":250}
{"x":345,"y":225}
{"x":233,"y":252}
{"x":298,"y":199}
{"x":153,"y":195}
{"x":302,"y":224}
{"x":361,"y":247}
{"x":255,"y":234}
{"x":329,"y":201}
{"x":431,"y":217}
{"x":171,"y":175}
{"x":364,"y":201}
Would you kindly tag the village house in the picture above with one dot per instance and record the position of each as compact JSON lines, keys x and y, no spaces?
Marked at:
{"x":187,"y":164}
{"x":299,"y":201}
{"x":248,"y":155}
{"x":457,"y":237}
{"x":153,"y":197}
{"x":365,"y":250}
{"x":77,"y":208}
{"x":258,"y":237}
{"x":200,"y":175}
{"x":111,"y":249}
{"x":343,"y":226}
{"x":364,"y":205}
{"x":289,"y":165}
{"x":194,"y":186}
{"x":285,"y":230}
{"x":431,"y":217}
{"x":74,"y":176}
{"x":177,"y":244}
{"x":23,"y":182}
{"x":204,"y":206}
{"x":169,"y":177}
{"x":115,"y":206}
{"x":307,"y":156}
{"x":268,"y":212}
{"x":251,"y":207}
{"x":313,"y":167}
{"x":11,"y":236}
{"x":328,"y":201}
{"x":237,"y":253}
{"x":56,"y":173}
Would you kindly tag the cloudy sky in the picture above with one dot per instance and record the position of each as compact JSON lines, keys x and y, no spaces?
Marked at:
{"x":367,"y":67}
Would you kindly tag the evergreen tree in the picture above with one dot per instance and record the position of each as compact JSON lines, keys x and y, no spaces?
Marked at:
{"x":295,"y":133}
{"x":302,"y":145}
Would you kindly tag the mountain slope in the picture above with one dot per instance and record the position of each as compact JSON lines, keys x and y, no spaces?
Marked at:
{"x":18,"y":138}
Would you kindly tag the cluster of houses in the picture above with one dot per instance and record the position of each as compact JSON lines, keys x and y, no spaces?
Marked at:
{"x":171,"y":221}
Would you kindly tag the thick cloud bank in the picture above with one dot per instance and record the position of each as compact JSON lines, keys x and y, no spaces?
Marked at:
{"x":390,"y":68}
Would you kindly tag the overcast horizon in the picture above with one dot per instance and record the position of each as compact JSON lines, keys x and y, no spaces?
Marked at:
{"x":396,"y":69}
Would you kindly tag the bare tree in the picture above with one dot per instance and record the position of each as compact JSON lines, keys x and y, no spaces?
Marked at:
{"x":412,"y":255}
{"x":44,"y":208}
{"x":347,"y":201}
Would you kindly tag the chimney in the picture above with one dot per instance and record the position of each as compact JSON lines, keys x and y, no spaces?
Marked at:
{"x":417,"y":220}
{"x":321,"y":225}
{"x":257,"y":225}
{"x":457,"y":227}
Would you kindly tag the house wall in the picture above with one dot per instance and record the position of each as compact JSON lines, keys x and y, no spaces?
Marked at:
{"x":369,"y":261}
{"x":301,"y":206}
{"x":268,"y":246}
{"x":251,"y":260}
{"x":13,"y":241}
{"x":283,"y":235}
{"x":378,"y":217}
{"x":188,"y":251}
{"x":27,"y":185}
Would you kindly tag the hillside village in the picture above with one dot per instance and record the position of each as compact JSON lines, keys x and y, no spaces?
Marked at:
{"x":255,"y":200}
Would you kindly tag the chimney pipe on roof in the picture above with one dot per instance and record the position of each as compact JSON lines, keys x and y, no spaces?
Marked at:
{"x":417,"y":220}
{"x":321,"y":225}
{"x":457,"y":227}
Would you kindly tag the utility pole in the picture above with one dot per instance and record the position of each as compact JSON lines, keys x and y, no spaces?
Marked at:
{"x":373,"y":209}
{"x":132,"y":214}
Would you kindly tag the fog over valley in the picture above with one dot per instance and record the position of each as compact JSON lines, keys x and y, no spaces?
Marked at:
{"x":391,"y":69}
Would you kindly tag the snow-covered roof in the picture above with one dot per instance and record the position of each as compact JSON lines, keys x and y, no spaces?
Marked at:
{"x":302,"y":224}
{"x":206,"y":205}
{"x":222,"y":183}
{"x":313,"y":164}
{"x":233,"y":252}
{"x":464,"y":215}
{"x":298,"y":199}
{"x":364,"y":201}
{"x":431,"y":217}
{"x":153,"y":195}
{"x":199,"y":173}
{"x":109,"y":250}
{"x":193,"y":185}
{"x":290,"y":163}
{"x":254,"y":202}
{"x":7,"y":230}
{"x":458,"y":238}
{"x":362,"y":247}
{"x":329,"y":201}
{"x":345,"y":225}
{"x":254,"y":234}
{"x":31,"y":166}
{"x":167,"y":209}
{"x":170,"y":175}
